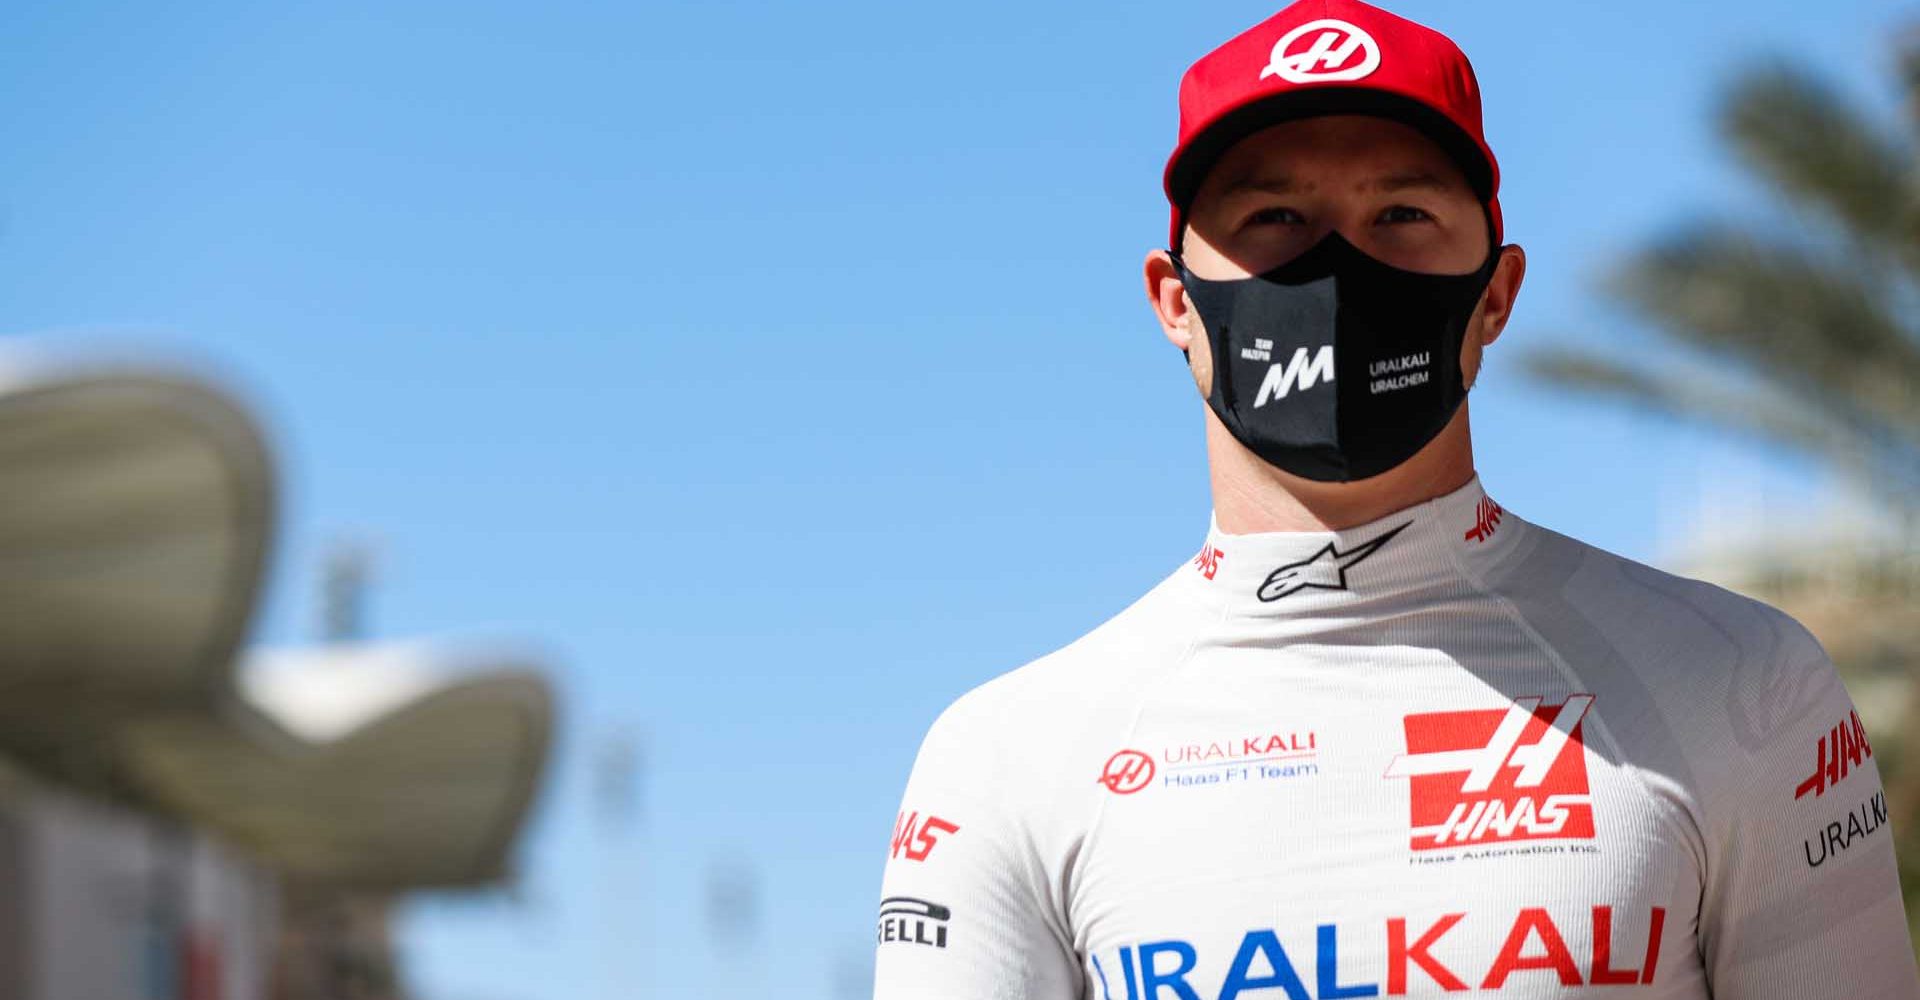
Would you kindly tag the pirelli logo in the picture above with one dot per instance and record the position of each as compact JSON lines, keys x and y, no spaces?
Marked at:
{"x":1500,"y":774}
{"x":907,"y":920}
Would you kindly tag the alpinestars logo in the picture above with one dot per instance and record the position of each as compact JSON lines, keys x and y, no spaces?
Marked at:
{"x":1327,"y":570}
{"x":1518,"y":773}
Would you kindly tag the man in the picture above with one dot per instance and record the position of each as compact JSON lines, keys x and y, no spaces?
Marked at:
{"x":1382,"y":737}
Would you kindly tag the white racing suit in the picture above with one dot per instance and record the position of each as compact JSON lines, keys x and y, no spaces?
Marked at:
{"x":1448,"y":753}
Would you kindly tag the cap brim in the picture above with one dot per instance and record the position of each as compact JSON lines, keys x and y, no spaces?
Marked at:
{"x":1190,"y":166}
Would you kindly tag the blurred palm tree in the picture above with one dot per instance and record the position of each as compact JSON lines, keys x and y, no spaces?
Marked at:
{"x":1814,"y":327}
{"x":1810,"y":325}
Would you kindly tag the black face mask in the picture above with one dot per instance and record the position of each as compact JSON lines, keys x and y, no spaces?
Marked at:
{"x":1335,"y":366}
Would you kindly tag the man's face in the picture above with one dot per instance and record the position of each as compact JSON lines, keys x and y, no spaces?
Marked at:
{"x":1385,"y":187}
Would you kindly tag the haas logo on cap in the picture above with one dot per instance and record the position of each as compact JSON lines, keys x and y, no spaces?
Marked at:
{"x":1323,"y":50}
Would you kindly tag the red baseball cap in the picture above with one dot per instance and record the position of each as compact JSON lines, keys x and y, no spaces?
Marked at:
{"x":1330,"y":57}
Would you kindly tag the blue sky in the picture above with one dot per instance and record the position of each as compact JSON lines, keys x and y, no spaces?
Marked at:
{"x":782,"y":369}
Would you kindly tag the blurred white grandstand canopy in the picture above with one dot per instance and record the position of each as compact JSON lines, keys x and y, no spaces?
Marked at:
{"x":406,"y":765}
{"x":134,"y":532}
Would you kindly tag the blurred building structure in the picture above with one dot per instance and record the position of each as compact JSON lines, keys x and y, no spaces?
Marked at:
{"x":98,"y":900}
{"x":180,"y":820}
{"x":1844,"y":571}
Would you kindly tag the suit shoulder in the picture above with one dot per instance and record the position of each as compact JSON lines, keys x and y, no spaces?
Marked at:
{"x":1625,"y":598}
{"x":1720,"y":676}
{"x":1070,"y":694}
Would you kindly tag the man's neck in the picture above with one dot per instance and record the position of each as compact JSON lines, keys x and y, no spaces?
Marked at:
{"x":1251,"y":496}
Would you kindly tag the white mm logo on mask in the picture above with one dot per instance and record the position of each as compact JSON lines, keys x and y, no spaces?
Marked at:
{"x":1329,"y":55}
{"x":1298,"y":370}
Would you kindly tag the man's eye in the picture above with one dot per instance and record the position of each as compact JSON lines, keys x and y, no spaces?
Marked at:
{"x":1403,"y":213}
{"x":1269,"y":216}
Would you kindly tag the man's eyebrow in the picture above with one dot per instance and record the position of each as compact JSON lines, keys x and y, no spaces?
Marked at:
{"x":1283,"y":184}
{"x":1266,"y":183}
{"x":1418,"y":179}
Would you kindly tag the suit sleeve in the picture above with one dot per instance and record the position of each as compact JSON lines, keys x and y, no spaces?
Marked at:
{"x":1802,"y":896}
{"x":964,"y":909}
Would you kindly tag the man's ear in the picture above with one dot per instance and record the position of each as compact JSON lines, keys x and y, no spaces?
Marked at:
{"x":1496,"y":306}
{"x":1167,"y":295}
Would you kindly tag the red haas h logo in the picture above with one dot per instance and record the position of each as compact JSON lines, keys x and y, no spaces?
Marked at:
{"x":1485,"y":776}
{"x":1127,"y":772}
{"x":1839,"y":752}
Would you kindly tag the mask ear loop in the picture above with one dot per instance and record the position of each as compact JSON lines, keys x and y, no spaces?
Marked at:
{"x":1181,"y":266}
